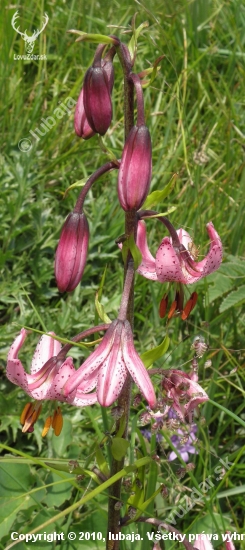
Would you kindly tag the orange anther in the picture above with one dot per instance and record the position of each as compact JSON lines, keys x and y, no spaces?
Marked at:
{"x":47,"y":425}
{"x":163,"y":306}
{"x":172,"y":309}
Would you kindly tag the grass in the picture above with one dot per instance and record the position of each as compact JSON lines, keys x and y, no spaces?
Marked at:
{"x":195,"y":112}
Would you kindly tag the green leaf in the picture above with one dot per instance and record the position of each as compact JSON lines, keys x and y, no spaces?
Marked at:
{"x":101,"y":311}
{"x":101,"y":461}
{"x":95,"y":38}
{"x":58,"y":492}
{"x":155,"y":353}
{"x":15,"y":481}
{"x":119,"y":448}
{"x":237,"y":297}
{"x":78,"y":183}
{"x":129,"y":244}
{"x":158,"y":196}
{"x":218,"y":285}
{"x":132,"y":45}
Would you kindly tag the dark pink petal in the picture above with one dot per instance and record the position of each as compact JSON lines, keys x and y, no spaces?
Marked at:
{"x":134,"y":176}
{"x":97,"y":99}
{"x":71,"y":253}
{"x":81,"y":124}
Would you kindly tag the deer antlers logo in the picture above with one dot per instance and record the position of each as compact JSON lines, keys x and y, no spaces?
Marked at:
{"x":29,"y":40}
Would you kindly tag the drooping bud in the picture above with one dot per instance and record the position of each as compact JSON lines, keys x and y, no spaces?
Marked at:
{"x":134,"y":175}
{"x":71,"y":253}
{"x":98,"y":84}
{"x":81,"y":124}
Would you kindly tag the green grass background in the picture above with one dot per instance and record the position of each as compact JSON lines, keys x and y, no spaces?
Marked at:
{"x":195,"y":112}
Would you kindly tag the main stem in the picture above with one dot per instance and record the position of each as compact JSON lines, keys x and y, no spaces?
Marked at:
{"x":125,"y":396}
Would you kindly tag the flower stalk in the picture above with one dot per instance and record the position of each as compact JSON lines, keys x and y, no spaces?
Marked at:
{"x":130,"y":229}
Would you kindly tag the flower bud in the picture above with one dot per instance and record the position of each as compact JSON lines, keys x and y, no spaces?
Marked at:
{"x":81,"y":124}
{"x":134,"y":175}
{"x":98,"y":84}
{"x":71,"y":253}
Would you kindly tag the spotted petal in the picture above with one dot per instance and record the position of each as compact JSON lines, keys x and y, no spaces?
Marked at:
{"x":112,"y":373}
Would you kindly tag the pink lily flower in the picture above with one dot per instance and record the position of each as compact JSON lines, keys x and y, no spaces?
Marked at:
{"x":108,"y":366}
{"x":185,"y":393}
{"x":178,"y":264}
{"x":48,"y":373}
{"x":202,"y":543}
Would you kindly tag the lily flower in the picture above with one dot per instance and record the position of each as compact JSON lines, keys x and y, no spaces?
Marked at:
{"x":46,"y":379}
{"x":108,"y":366}
{"x":184,"y":393}
{"x":177,"y":264}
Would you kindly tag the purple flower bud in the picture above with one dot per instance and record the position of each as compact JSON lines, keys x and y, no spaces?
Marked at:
{"x":107,"y":65}
{"x":134,"y":175}
{"x":98,"y":83}
{"x":81,"y":124}
{"x":71,"y":253}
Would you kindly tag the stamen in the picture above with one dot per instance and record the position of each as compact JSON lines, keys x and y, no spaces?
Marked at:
{"x":48,"y":423}
{"x":189,"y":306}
{"x":30,"y":415}
{"x":163,"y":306}
{"x":57,"y":423}
{"x":172,"y":309}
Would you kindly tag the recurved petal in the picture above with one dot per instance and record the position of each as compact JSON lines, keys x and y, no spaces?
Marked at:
{"x":46,"y":348}
{"x":214,"y":257}
{"x":16,"y":374}
{"x":136,"y":368}
{"x":17,"y":344}
{"x":82,"y":376}
{"x":15,"y":371}
{"x":147,"y":268}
